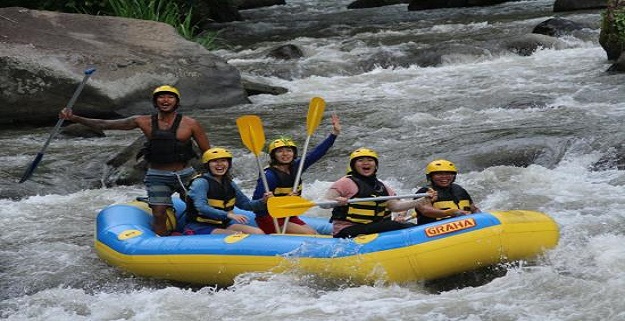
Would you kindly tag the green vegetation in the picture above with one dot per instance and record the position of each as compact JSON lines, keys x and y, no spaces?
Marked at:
{"x":619,"y":22}
{"x":612,"y":35}
{"x":172,"y":12}
{"x":156,"y":10}
{"x":165,"y":11}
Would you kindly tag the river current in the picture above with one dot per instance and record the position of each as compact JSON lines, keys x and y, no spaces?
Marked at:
{"x":540,"y":132}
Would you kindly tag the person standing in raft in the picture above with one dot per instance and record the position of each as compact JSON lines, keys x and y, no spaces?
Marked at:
{"x":213,"y":195}
{"x":353,"y":219}
{"x":452,"y":200}
{"x":167,"y":151}
{"x":281,"y":173}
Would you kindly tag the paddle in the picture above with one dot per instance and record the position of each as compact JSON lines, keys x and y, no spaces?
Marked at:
{"x":285,"y":206}
{"x":29,"y":171}
{"x":315,"y":113}
{"x":253,"y":137}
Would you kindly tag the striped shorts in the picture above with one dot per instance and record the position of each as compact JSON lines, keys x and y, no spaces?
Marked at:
{"x":161,"y":185}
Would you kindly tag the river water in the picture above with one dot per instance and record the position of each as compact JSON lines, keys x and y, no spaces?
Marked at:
{"x":540,"y":132}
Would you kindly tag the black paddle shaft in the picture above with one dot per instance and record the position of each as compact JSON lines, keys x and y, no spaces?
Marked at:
{"x":31,"y":168}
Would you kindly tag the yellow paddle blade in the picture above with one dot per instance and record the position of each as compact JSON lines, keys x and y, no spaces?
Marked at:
{"x":315,"y":113}
{"x":252,"y":133}
{"x":285,"y":206}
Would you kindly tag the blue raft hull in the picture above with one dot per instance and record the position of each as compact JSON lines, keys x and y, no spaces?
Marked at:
{"x":124,"y":239}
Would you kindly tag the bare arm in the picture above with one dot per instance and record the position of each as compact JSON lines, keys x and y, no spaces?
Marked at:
{"x":334,"y":195}
{"x":341,"y":190}
{"x":120,"y":124}
{"x":400,"y":206}
{"x":429,"y":210}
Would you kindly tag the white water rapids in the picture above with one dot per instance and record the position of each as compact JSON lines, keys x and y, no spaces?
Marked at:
{"x":540,"y":132}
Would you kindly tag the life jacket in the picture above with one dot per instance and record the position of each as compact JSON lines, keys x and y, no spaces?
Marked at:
{"x":163,"y":147}
{"x":454,"y":197}
{"x":285,"y":182}
{"x":364,"y":212}
{"x":220,"y":196}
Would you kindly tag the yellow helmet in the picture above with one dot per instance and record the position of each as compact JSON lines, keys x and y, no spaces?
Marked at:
{"x":440,"y":165}
{"x":282,"y":142}
{"x":361,"y":152}
{"x":215,"y":153}
{"x":166,"y":89}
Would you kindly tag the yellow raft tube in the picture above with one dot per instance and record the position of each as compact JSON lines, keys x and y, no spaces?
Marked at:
{"x":124,"y":239}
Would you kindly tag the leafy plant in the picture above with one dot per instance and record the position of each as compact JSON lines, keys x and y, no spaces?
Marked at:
{"x":155,"y":10}
{"x":619,"y":21}
{"x":163,"y":11}
{"x":612,"y":35}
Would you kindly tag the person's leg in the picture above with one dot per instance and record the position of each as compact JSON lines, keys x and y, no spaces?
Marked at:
{"x":297,"y":226}
{"x":265,"y":223}
{"x":245,"y":229}
{"x":223,"y":231}
{"x":292,"y":228}
{"x":159,"y":224}
{"x":160,"y":188}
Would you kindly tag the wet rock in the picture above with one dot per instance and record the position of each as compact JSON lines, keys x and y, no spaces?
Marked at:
{"x":527,"y":44}
{"x":257,"y":88}
{"x":286,"y":52}
{"x":252,"y":4}
{"x":437,"y":4}
{"x":619,"y":66}
{"x":78,"y":130}
{"x":557,"y":27}
{"x":361,"y":4}
{"x":571,"y":5}
{"x":218,"y":10}
{"x":44,"y":54}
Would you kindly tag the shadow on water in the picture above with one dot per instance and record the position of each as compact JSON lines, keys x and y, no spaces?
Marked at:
{"x":473,"y":278}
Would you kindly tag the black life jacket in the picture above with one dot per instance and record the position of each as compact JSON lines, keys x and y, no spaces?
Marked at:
{"x":164,"y":148}
{"x":220,"y":196}
{"x":454,"y":196}
{"x":284,"y":182}
{"x":365,"y":212}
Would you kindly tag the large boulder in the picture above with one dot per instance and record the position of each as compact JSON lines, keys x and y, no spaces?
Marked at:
{"x":572,"y":5}
{"x":216,"y":10}
{"x":286,"y":52}
{"x":416,"y":5}
{"x":252,"y":4}
{"x":44,"y":54}
{"x":619,"y":65}
{"x":557,"y":27}
{"x":220,"y":11}
{"x":361,"y":4}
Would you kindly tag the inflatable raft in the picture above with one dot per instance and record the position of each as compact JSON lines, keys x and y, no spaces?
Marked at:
{"x":124,"y":239}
